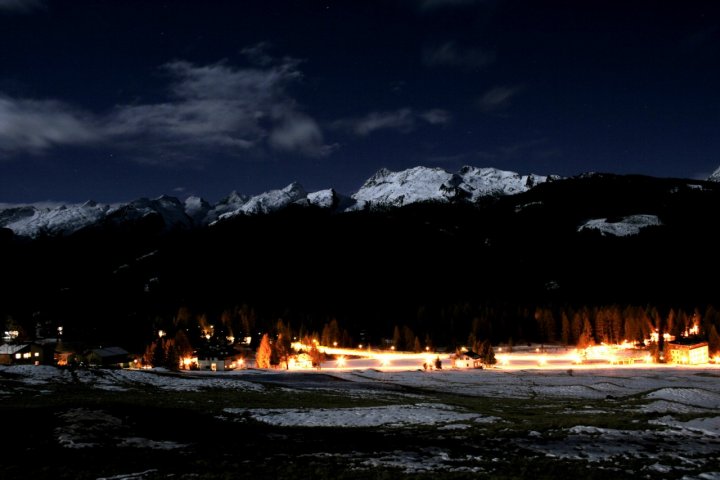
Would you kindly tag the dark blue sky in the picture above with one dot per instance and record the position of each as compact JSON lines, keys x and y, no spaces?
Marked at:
{"x":112,"y":100}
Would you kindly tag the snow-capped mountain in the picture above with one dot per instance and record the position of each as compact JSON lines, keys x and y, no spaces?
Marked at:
{"x":387,"y":188}
{"x":384,"y":189}
{"x":715,"y":177}
{"x":32,"y":221}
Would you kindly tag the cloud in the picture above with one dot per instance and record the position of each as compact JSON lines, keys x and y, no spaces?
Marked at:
{"x":214,"y":108}
{"x":21,"y":6}
{"x":218,"y":105}
{"x":450,"y":55}
{"x":299,"y":133}
{"x":37,"y":125}
{"x":404,"y":120}
{"x":497,"y":98}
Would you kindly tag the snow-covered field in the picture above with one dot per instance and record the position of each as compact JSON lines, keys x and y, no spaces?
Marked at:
{"x":649,"y":421}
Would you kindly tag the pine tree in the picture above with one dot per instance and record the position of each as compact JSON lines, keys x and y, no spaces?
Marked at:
{"x":713,"y":341}
{"x":264,"y":352}
{"x":565,"y":334}
{"x":586,"y":337}
{"x":487,"y":353}
{"x":396,"y":338}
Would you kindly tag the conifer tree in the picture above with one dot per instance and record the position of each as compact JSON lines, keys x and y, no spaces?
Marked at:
{"x":264,"y":352}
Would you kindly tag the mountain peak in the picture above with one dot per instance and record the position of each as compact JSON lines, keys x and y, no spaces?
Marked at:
{"x":385,"y":188}
{"x":715,"y":177}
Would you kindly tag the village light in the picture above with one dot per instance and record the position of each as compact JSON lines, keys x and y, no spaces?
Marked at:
{"x":392,"y":348}
{"x":542,"y":361}
{"x":334,"y":344}
{"x":427,"y":349}
{"x":384,"y":362}
{"x":161,"y":333}
{"x":340,"y":361}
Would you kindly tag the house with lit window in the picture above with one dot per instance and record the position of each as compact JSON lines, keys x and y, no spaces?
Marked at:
{"x":21,"y":354}
{"x":467,"y":359}
{"x":687,"y":351}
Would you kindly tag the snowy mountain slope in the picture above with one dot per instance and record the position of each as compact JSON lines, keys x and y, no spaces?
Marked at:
{"x":482,"y":182}
{"x":384,"y":189}
{"x":715,"y":177}
{"x":630,"y":225}
{"x":32,"y":221}
{"x":269,"y":201}
{"x":170,"y":210}
{"x":231,"y":203}
{"x":387,"y":188}
{"x":323,"y":198}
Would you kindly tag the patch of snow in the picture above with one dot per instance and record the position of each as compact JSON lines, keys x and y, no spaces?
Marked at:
{"x":707,"y":426}
{"x":703,"y":476}
{"x":130,"y":476}
{"x":391,"y":415}
{"x":139,"y":442}
{"x":630,"y":225}
{"x":687,"y":396}
{"x":663,"y":406}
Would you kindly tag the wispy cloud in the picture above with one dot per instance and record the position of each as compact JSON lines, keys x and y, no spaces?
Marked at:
{"x":21,"y":6}
{"x":497,"y":98}
{"x":209,"y":108}
{"x":404,"y":120}
{"x":37,"y":125}
{"x":222,"y":106}
{"x":450,"y":55}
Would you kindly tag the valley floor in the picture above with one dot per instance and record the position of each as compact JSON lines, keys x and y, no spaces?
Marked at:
{"x":625,"y":422}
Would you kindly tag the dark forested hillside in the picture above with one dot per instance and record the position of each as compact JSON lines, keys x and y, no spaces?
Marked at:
{"x":434,"y":267}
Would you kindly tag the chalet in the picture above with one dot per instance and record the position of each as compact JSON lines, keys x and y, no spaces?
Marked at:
{"x":687,"y":351}
{"x":109,"y":357}
{"x":218,"y":358}
{"x":21,"y":353}
{"x":468,"y":359}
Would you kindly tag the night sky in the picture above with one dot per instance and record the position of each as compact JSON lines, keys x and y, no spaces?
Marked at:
{"x":114,"y":100}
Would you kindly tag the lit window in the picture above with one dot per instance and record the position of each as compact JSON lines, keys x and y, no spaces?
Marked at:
{"x":17,"y":355}
{"x":37,"y":354}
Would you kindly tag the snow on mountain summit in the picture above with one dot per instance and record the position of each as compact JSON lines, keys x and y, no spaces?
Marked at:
{"x":384,"y":189}
{"x":387,"y":188}
{"x":32,"y":221}
{"x":417,"y":184}
{"x":715,"y":177}
{"x":269,"y":201}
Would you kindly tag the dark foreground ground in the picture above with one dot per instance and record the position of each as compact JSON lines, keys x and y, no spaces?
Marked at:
{"x":101,"y":425}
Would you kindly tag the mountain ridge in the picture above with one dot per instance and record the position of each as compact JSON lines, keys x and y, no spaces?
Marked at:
{"x":385,"y":188}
